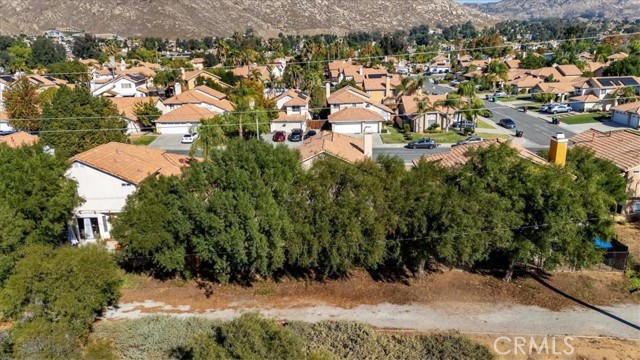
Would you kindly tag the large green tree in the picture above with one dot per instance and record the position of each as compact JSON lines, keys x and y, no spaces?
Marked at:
{"x":86,"y":47}
{"x":72,"y":71}
{"x":23,"y":105}
{"x":147,"y":112}
{"x":45,"y":52}
{"x":76,"y":121}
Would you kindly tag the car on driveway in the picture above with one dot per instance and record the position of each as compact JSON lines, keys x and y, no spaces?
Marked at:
{"x":461,"y":125}
{"x":507,"y":124}
{"x":559,"y":108}
{"x":279,"y":136}
{"x":309,"y":134}
{"x":296,"y":135}
{"x":469,"y":140}
{"x":544,"y":107}
{"x":499,"y":93}
{"x":424,"y":143}
{"x":189,"y":138}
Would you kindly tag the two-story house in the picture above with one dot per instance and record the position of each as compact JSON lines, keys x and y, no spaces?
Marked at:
{"x":601,"y":93}
{"x":294,"y":111}
{"x":106,"y":175}
{"x":353,"y":112}
{"x":121,"y":86}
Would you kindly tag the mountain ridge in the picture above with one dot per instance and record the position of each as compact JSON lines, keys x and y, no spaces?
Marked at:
{"x":528,"y":9}
{"x":196,"y":18}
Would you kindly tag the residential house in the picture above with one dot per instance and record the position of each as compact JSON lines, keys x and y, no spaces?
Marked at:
{"x":343,"y":147}
{"x":380,"y":88}
{"x":183,"y":120}
{"x":121,"y":86}
{"x":512,"y":64}
{"x":294,"y":111}
{"x":437,"y":115}
{"x":353,"y":112}
{"x":18,"y":139}
{"x":546,"y":73}
{"x":203,"y":96}
{"x":458,"y":155}
{"x":562,"y":90}
{"x":569,"y":72}
{"x":193,"y":79}
{"x":198,"y":63}
{"x":601,"y":93}
{"x":617,"y":56}
{"x":126,"y":106}
{"x":5,"y":84}
{"x":440,"y":64}
{"x":106,"y":175}
{"x":621,"y":147}
{"x":249,"y":71}
{"x":627,"y":114}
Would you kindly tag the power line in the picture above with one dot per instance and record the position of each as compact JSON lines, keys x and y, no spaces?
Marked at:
{"x":393,"y":55}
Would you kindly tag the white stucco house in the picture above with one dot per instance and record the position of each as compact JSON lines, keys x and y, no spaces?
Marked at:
{"x":107,"y":175}
{"x":627,"y":114}
{"x":294,"y":111}
{"x":353,"y":112}
{"x":121,"y":86}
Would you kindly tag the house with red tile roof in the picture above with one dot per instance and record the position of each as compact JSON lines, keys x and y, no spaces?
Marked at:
{"x":435,"y":114}
{"x":293,"y":111}
{"x":353,"y":112}
{"x":622,"y":148}
{"x":18,"y":139}
{"x":341,"y":146}
{"x":107,"y":174}
{"x":627,"y":114}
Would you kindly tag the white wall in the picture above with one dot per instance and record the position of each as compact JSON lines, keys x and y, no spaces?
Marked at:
{"x":4,"y":126}
{"x":175,"y":128}
{"x":288,"y":126}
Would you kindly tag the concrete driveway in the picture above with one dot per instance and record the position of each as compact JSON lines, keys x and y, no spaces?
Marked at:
{"x":171,"y":143}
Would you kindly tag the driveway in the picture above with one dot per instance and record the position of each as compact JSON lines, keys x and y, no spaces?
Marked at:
{"x":171,"y":143}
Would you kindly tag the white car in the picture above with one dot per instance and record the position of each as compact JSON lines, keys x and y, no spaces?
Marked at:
{"x":189,"y":138}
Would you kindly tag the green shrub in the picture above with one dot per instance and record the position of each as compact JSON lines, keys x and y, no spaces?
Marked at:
{"x":407,"y":128}
{"x":40,"y":339}
{"x":633,"y":276}
{"x":384,"y":130}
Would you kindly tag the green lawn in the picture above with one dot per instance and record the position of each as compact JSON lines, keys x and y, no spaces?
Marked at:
{"x":507,"y":98}
{"x":483,"y":124}
{"x":142,"y":139}
{"x":445,"y":137}
{"x":585,"y":118}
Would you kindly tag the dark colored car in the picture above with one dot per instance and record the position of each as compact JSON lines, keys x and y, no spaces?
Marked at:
{"x":309,"y":134}
{"x":469,"y":140}
{"x":296,"y":135}
{"x":461,"y":125}
{"x":279,"y":136}
{"x":507,"y":124}
{"x":424,"y":143}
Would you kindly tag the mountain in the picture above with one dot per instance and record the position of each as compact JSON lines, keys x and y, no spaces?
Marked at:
{"x":526,"y":9}
{"x":194,"y":18}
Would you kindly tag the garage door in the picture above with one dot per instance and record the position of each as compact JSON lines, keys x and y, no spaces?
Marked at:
{"x":173,"y":128}
{"x":374,"y":127}
{"x":347,"y":128}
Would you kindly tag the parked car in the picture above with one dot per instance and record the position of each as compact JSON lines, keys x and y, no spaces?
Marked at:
{"x":454,"y":82}
{"x":309,"y":134}
{"x":296,"y":135}
{"x":427,"y":72}
{"x":402,"y":71}
{"x":500,"y":93}
{"x":279,"y":136}
{"x":424,"y":143}
{"x":461,"y":125}
{"x":507,"y":124}
{"x":545,"y":107}
{"x":469,"y":140}
{"x":189,"y":138}
{"x":559,"y":108}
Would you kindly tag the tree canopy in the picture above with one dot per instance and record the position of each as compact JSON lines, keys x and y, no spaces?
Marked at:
{"x":45,"y":52}
{"x":23,"y":105}
{"x":86,"y":47}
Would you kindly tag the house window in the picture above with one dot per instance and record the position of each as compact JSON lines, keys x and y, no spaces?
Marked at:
{"x":354,"y":105}
{"x":126,"y":86}
{"x":603,"y":92}
{"x":295,"y":108}
{"x":635,"y":207}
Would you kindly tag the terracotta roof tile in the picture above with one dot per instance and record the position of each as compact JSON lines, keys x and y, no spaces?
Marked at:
{"x":632,"y":107}
{"x":458,"y":155}
{"x":569,"y":70}
{"x":282,"y":116}
{"x":342,"y":146}
{"x":18,"y":139}
{"x":621,"y":147}
{"x":556,"y":87}
{"x":585,"y":98}
{"x":186,"y":113}
{"x":347,"y":95}
{"x":201,"y":94}
{"x":355,"y":114}
{"x":132,"y":163}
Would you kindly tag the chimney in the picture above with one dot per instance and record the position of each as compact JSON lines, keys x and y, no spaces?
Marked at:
{"x":123,"y":65}
{"x":182,"y":73}
{"x":387,"y":86}
{"x":327,"y":89}
{"x":177,"y":88}
{"x":558,"y":149}
{"x":368,"y":143}
{"x":360,"y":70}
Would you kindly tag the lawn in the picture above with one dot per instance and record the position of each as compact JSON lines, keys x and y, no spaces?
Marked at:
{"x":585,"y":118}
{"x":142,"y":139}
{"x":396,"y":137}
{"x":483,"y":124}
{"x":507,"y":98}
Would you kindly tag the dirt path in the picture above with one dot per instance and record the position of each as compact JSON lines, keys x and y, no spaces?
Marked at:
{"x":464,"y":317}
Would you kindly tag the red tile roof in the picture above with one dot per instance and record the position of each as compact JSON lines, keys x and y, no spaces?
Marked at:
{"x":621,"y":147}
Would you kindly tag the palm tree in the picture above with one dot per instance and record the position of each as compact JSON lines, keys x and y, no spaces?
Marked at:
{"x":222,"y":48}
{"x":294,"y":75}
{"x":474,"y":108}
{"x":416,"y":85}
{"x":467,"y":89}
{"x":210,"y":135}
{"x":496,"y":72}
{"x":451,"y":101}
{"x":625,"y":95}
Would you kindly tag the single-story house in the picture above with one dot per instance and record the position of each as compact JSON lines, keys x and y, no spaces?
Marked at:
{"x":106,"y":175}
{"x":341,"y":146}
{"x":562,"y":90}
{"x":627,"y":114}
{"x":356,"y":120}
{"x":183,"y":119}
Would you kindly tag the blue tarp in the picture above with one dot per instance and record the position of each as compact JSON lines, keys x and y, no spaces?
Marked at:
{"x":602,"y":244}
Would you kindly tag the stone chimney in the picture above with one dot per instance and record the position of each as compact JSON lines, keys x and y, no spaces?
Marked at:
{"x":360,"y":71}
{"x":177,"y":88}
{"x":558,"y":149}
{"x":327,"y":89}
{"x":387,"y":86}
{"x":368,"y":142}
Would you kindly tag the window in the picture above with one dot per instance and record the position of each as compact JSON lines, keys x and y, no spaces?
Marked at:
{"x":126,"y":85}
{"x":295,"y":108}
{"x":635,"y":207}
{"x":603,"y":92}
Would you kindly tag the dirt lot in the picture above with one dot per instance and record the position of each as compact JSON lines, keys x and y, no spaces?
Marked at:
{"x":596,"y":288}
{"x":629,"y":235}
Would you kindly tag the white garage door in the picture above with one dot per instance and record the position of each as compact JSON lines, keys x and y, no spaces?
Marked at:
{"x":620,"y":117}
{"x":374,"y":127}
{"x":174,"y":128}
{"x":347,"y":128}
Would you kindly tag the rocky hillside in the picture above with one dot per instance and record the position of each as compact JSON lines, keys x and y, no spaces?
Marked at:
{"x":191,"y":18}
{"x":526,"y":9}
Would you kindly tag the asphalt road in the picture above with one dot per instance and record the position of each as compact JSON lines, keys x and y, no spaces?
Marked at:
{"x":407,"y":154}
{"x":537,"y":132}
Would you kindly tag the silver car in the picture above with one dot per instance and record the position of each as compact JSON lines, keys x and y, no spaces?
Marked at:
{"x":558,"y":108}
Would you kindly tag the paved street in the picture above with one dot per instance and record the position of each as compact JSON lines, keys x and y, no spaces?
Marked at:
{"x":407,"y":154}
